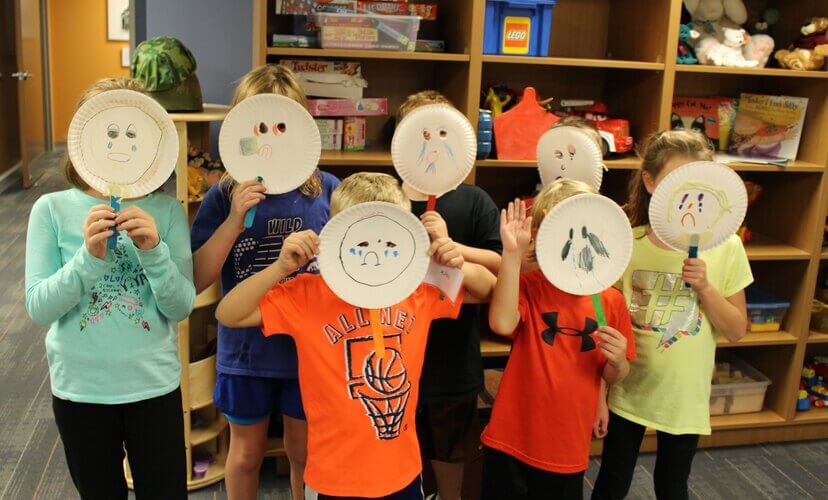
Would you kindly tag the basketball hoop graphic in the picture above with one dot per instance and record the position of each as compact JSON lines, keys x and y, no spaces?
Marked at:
{"x":381,"y":385}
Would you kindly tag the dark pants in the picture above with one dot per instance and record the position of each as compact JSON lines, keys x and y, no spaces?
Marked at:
{"x":507,"y":478}
{"x":673,"y":461}
{"x":152,"y":431}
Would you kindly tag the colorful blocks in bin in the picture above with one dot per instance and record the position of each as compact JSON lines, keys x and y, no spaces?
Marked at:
{"x":802,"y":401}
{"x":518,"y":27}
{"x":765,"y":312}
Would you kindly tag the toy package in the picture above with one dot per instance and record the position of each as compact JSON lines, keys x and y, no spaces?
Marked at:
{"x":703,"y":114}
{"x":354,"y":136}
{"x":427,"y":11}
{"x":305,"y":7}
{"x":348,"y":107}
{"x":334,"y":79}
{"x":331,"y":142}
{"x":366,"y":31}
{"x":768,"y":126}
{"x":328,"y":126}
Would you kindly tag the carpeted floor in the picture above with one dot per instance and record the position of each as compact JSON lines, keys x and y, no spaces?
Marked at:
{"x":32,"y":464}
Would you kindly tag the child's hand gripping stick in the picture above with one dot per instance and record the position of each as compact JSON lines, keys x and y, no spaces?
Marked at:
{"x":251,"y":213}
{"x":600,"y":317}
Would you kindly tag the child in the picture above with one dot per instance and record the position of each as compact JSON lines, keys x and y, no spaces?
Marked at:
{"x":257,"y":375}
{"x":362,"y":440}
{"x":537,"y":441}
{"x":669,"y":385}
{"x":112,"y":345}
{"x":447,"y":420}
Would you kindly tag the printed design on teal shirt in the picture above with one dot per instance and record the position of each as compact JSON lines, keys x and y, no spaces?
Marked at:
{"x":119,"y":290}
{"x":661,"y":303}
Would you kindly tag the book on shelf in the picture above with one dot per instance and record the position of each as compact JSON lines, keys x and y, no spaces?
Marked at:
{"x":711,"y":116}
{"x":767,"y":126}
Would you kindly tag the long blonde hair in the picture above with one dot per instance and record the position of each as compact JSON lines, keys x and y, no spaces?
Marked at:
{"x":658,"y":149}
{"x":97,"y":88}
{"x":273,"y":79}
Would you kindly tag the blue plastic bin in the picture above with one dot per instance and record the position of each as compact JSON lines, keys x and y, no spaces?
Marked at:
{"x":518,"y":27}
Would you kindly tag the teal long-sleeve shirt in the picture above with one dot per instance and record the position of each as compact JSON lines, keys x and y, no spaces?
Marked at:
{"x":113,"y":334}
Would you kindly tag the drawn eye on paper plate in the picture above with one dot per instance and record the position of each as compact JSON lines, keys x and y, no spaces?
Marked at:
{"x":569,"y":153}
{"x":373,"y":255}
{"x":123,"y":141}
{"x":433,"y":148}
{"x":272,"y":137}
{"x":584,"y":244}
{"x":703,"y":200}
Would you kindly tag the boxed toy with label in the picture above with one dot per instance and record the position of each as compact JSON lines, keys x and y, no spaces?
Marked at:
{"x":329,"y":125}
{"x":367,"y":31}
{"x":348,"y":107}
{"x":518,"y":27}
{"x":354,"y":135}
{"x":737,"y":387}
{"x":334,"y":79}
{"x":331,"y":141}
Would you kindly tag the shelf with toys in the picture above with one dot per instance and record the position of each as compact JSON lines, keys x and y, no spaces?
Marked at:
{"x":574,"y":62}
{"x":365,"y":54}
{"x":757,"y":72}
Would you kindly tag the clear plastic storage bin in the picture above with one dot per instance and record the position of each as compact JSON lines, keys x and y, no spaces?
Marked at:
{"x":737,"y":396}
{"x":764,"y":311}
{"x":367,"y":31}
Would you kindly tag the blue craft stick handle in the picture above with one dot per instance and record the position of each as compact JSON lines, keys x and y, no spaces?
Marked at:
{"x":693,"y":253}
{"x":112,"y":241}
{"x":249,"y":216}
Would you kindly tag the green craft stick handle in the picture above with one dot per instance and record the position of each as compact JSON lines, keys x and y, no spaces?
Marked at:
{"x":599,"y":310}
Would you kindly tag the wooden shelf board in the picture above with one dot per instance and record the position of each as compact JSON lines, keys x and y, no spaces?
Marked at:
{"x":211,"y":113}
{"x":623,"y":163}
{"x":491,"y":347}
{"x":722,"y":70}
{"x":763,"y":418}
{"x":275,"y":447}
{"x":209,"y":296}
{"x":817,"y":337}
{"x":214,"y":474}
{"x":759,"y":338}
{"x":574,"y":61}
{"x":814,"y":415}
{"x":762,"y":247}
{"x":792,"y":166}
{"x":367,"y":54}
{"x":371,"y":157}
{"x":204,"y":434}
{"x":824,"y":254}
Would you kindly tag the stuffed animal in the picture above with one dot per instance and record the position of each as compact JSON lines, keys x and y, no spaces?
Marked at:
{"x":687,"y":36}
{"x":810,"y":51}
{"x":762,"y":25}
{"x":726,"y":53}
{"x":759,"y":48}
{"x":710,"y":17}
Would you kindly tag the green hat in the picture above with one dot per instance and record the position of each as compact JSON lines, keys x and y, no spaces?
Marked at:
{"x":167,"y":69}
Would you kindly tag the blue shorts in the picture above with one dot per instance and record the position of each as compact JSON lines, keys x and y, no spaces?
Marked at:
{"x":246,"y":400}
{"x":413,"y":491}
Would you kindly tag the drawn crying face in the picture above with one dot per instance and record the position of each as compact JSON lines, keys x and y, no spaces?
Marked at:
{"x":376,"y":250}
{"x":435,"y":151}
{"x":265,"y":138}
{"x":125,"y":139}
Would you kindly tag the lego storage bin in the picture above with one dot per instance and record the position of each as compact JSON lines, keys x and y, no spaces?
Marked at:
{"x":737,"y":387}
{"x":765,"y":312}
{"x":366,"y":31}
{"x":518,"y":27}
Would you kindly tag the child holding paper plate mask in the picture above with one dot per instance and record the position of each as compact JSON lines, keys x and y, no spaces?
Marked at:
{"x":675,"y":325}
{"x":257,"y":376}
{"x":112,"y":345}
{"x":447,"y":418}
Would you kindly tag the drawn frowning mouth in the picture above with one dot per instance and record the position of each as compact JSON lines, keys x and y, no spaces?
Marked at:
{"x":692,"y":219}
{"x":119,"y":157}
{"x":376,"y":259}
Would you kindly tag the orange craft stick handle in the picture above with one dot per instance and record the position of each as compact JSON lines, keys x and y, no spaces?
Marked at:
{"x":376,"y":330}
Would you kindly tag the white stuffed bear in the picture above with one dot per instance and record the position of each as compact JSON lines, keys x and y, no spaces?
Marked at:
{"x":728,"y":53}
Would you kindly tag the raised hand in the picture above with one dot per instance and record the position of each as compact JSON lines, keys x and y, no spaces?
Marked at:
{"x":515,"y":227}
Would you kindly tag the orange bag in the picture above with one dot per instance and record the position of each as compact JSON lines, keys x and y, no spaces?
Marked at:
{"x":518,"y":130}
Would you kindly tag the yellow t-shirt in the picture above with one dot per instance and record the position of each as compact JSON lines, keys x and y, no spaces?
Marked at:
{"x":668,"y":388}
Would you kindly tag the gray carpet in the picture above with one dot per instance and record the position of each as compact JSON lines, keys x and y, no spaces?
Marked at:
{"x":32,"y":464}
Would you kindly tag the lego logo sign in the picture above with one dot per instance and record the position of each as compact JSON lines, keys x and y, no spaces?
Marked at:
{"x":516,"y":35}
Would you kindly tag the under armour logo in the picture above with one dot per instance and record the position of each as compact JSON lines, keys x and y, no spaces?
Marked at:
{"x":551,"y":320}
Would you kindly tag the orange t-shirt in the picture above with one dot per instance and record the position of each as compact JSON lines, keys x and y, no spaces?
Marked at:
{"x":548,"y":396}
{"x":360,"y":409}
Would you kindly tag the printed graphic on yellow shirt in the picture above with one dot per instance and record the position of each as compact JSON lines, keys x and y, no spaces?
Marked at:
{"x":661,"y":303}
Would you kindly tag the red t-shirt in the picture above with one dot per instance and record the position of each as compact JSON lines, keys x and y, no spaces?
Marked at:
{"x":548,"y":396}
{"x":360,"y":409}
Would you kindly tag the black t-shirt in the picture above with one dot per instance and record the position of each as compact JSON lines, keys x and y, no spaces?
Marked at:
{"x":453,"y":367}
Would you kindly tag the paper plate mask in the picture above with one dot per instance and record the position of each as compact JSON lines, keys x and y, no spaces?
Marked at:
{"x":702,"y":199}
{"x":584,"y":244}
{"x":123,"y":143}
{"x":568,"y":152}
{"x":434,"y":148}
{"x":272,"y":137}
{"x":373,"y":255}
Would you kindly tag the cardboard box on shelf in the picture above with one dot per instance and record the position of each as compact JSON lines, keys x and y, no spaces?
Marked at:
{"x":370,"y":106}
{"x":426,"y":11}
{"x":305,"y":7}
{"x":354,"y":135}
{"x":331,"y":141}
{"x":328,"y":126}
{"x":333,"y":79}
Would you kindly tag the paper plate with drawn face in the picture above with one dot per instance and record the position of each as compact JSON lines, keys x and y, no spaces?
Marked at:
{"x":433,"y":148}
{"x":272,"y":137}
{"x":123,"y":142}
{"x":373,"y":255}
{"x":569,"y":153}
{"x":704,"y":199}
{"x":584,"y":244}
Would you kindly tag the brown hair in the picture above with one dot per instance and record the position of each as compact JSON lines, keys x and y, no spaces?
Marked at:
{"x":368,"y":186}
{"x":421,"y":98}
{"x":583,"y":124}
{"x":98,"y":87}
{"x":551,"y":195}
{"x":658,"y":149}
{"x":280,"y":80}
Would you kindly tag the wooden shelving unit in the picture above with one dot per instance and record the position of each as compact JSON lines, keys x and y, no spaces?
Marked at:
{"x":623,"y":54}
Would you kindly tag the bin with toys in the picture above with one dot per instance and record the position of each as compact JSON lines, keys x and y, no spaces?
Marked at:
{"x":813,"y":391}
{"x":737,"y":387}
